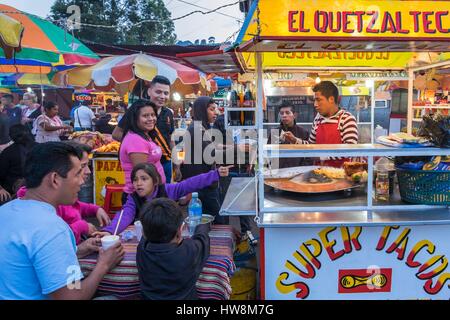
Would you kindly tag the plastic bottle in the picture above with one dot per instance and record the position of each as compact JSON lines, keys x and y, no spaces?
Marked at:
{"x":382,"y":186}
{"x":195,"y":212}
{"x":384,"y":165}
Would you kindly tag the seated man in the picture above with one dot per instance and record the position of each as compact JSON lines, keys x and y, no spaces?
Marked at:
{"x":169,"y":266}
{"x":38,"y":255}
{"x":288,"y":133}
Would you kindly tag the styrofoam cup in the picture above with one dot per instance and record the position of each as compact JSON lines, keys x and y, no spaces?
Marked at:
{"x":109,"y":241}
{"x":138,"y":230}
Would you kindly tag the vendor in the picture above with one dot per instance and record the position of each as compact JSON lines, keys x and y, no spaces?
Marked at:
{"x":331,"y":125}
{"x":288,"y":124}
{"x":109,"y":108}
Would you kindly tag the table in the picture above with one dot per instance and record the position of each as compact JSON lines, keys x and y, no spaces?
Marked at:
{"x":213,"y":283}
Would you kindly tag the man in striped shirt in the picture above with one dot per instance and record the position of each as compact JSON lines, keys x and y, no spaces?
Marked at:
{"x":331,"y":125}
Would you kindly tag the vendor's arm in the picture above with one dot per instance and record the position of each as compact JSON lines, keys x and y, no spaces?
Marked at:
{"x":118,"y":130}
{"x":349,"y":129}
{"x":137,"y":158}
{"x":88,"y":209}
{"x":128,"y":215}
{"x":202,"y":244}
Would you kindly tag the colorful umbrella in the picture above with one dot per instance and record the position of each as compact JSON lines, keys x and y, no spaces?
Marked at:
{"x":10,"y":35}
{"x":44,"y":45}
{"x":121,"y":72}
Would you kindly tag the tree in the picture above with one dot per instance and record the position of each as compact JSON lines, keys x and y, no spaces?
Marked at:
{"x":126,"y":18}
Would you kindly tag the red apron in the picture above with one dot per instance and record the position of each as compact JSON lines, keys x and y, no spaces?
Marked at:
{"x":328,"y":133}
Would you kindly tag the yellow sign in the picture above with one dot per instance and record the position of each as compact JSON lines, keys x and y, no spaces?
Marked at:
{"x":107,"y":171}
{"x":330,"y":59}
{"x":325,"y":19}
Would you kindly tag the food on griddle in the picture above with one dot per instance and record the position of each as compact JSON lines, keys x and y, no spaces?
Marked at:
{"x":314,"y":177}
{"x":330,"y":172}
{"x":353,"y":167}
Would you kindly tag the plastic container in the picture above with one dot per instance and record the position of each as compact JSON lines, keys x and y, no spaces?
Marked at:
{"x":385,"y":165}
{"x":382,"y":186}
{"x":379,"y":131}
{"x":194,"y":212}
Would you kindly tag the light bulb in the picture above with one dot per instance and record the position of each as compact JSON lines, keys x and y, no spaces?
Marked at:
{"x":318,"y":79}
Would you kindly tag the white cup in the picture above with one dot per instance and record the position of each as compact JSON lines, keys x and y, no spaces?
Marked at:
{"x":138,"y":230}
{"x":109,"y":241}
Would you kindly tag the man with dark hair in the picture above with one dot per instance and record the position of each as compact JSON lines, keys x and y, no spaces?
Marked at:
{"x":37,"y":248}
{"x":331,"y":125}
{"x":110,"y":106}
{"x":288,"y":132}
{"x":159,"y":94}
{"x":14,"y":113}
{"x":169,"y":266}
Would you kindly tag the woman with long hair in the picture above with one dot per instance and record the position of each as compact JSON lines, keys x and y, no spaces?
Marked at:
{"x":12,"y":160}
{"x":49,"y":127}
{"x":138,"y":145}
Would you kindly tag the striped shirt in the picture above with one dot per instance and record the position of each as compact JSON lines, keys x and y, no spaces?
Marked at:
{"x":347,"y":127}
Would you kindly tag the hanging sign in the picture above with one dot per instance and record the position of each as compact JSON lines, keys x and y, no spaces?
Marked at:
{"x":378,"y":75}
{"x":356,"y":25}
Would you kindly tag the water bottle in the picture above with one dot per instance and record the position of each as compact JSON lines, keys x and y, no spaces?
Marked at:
{"x":195,"y":212}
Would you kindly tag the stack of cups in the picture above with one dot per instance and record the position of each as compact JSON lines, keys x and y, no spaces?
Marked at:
{"x":138,"y":230}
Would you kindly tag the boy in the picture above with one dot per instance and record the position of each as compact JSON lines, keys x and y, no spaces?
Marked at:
{"x":169,"y":265}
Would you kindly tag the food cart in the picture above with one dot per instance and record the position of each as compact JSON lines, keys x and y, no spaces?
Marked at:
{"x":324,"y":246}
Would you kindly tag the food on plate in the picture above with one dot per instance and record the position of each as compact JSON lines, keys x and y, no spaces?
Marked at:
{"x":353,"y":167}
{"x":330,"y":172}
{"x":359,"y":177}
{"x":313,"y":177}
{"x":403,"y":137}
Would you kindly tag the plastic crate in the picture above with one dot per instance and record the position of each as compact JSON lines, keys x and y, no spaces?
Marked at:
{"x":424,"y":187}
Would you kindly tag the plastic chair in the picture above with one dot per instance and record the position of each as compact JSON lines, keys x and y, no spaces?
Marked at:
{"x":107,"y":205}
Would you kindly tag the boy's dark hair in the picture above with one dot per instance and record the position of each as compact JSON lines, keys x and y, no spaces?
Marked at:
{"x":287,"y":104}
{"x":161,"y":80}
{"x":160,"y":220}
{"x":327,"y":89}
{"x":49,"y":157}
{"x":149,"y":169}
{"x":84,"y":147}
{"x":21,"y":134}
{"x":8,"y":96}
{"x":49,"y":105}
{"x":108,"y":101}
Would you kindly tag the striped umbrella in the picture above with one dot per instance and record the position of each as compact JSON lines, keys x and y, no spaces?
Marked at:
{"x":122,"y":72}
{"x":44,"y":45}
{"x":10,"y":35}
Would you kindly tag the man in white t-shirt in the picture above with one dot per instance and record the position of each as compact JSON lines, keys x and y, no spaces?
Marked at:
{"x":83,"y":117}
{"x":37,"y":248}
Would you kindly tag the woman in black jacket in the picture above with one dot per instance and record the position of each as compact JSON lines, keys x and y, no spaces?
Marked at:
{"x":12,"y":159}
{"x":205,"y":114}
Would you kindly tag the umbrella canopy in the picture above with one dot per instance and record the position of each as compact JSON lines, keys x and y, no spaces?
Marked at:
{"x":119,"y":72}
{"x":43,"y":45}
{"x":11,"y":32}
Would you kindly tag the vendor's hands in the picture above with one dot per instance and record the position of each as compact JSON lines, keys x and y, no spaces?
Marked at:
{"x":224,"y":171}
{"x":100,"y":234}
{"x":289,"y":137}
{"x":111,"y":257}
{"x":4,"y":195}
{"x":102,"y":217}
{"x":88,"y":246}
{"x":92,"y":229}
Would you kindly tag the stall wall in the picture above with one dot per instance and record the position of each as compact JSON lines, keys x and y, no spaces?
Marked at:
{"x":346,"y":263}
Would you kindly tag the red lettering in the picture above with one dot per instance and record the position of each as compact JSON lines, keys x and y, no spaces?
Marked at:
{"x":398,"y":23}
{"x":302,"y":23}
{"x":388,"y":23}
{"x":338,"y":21}
{"x":317,"y":21}
{"x":291,"y":21}
{"x":359,"y":25}
{"x":346,"y":22}
{"x":303,"y":292}
{"x":99,"y":165}
{"x":430,"y":289}
{"x":415,"y":15}
{"x":372,"y":22}
{"x":106,"y":166}
{"x":427,"y":22}
{"x":439,"y":15}
{"x":112,"y":166}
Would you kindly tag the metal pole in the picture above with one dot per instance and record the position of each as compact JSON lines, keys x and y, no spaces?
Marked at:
{"x":259,"y":126}
{"x":410,"y":114}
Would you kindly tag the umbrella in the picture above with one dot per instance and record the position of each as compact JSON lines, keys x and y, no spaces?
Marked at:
{"x":122,"y":72}
{"x":44,"y":45}
{"x":10,"y":35}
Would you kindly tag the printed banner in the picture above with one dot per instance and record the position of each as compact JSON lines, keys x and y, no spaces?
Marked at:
{"x":107,"y":171}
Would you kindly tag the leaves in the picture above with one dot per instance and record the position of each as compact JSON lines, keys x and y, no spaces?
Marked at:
{"x":125,"y":21}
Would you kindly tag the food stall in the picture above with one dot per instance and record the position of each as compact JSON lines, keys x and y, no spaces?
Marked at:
{"x":345,"y":244}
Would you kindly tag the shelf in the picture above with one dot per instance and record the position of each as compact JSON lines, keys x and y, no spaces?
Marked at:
{"x":355,"y":218}
{"x":240,"y":109}
{"x":433,"y":106}
{"x":347,"y":150}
